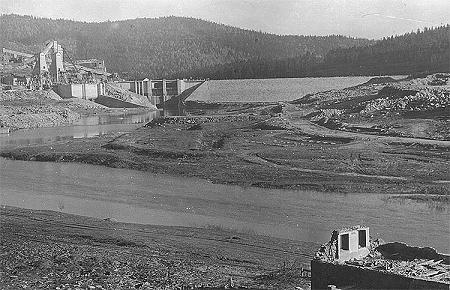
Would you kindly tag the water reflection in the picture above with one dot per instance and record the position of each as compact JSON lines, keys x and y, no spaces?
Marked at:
{"x":86,"y":127}
{"x":141,"y":197}
{"x":124,"y":118}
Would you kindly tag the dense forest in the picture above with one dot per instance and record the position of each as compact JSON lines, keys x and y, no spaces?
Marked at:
{"x":186,"y":47}
{"x":163,"y":47}
{"x":421,"y":51}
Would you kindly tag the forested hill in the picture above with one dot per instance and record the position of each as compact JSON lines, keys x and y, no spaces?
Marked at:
{"x":422,"y":51}
{"x":426,"y":50}
{"x":164,"y":47}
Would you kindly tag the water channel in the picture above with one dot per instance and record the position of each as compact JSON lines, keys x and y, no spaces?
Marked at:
{"x":141,"y":197}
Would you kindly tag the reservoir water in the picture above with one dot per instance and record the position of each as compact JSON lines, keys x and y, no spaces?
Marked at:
{"x":142,"y":197}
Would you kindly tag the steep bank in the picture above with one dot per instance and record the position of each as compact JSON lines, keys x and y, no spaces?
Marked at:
{"x":43,"y":249}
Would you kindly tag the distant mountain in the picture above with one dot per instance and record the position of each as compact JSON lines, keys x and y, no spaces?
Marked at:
{"x":169,"y":46}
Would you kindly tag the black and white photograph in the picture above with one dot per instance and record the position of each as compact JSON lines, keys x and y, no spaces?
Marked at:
{"x":224,"y":144}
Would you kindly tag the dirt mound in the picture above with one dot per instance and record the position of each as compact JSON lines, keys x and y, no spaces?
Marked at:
{"x":43,"y":117}
{"x":379,"y":80}
{"x":21,"y":95}
{"x":276,"y":123}
{"x":31,"y":109}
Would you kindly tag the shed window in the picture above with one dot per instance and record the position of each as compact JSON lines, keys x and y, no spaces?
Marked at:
{"x":362,"y":238}
{"x":345,"y":242}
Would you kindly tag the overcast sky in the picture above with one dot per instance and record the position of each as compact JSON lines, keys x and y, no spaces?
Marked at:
{"x":360,"y":18}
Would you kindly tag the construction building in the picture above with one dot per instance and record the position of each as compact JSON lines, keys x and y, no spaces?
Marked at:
{"x":52,"y":66}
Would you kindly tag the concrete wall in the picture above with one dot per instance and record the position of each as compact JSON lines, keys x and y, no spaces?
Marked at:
{"x":352,"y":244}
{"x":341,"y":275}
{"x":156,"y":89}
{"x":81,"y":91}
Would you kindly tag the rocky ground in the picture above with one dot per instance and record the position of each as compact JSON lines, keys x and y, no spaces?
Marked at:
{"x":418,"y":107}
{"x":21,"y":109}
{"x":50,"y":250}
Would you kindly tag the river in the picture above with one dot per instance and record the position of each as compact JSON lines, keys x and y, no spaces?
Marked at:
{"x":141,"y":197}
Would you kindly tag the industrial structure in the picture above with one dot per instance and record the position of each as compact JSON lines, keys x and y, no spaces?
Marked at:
{"x":158,"y":91}
{"x":53,"y":68}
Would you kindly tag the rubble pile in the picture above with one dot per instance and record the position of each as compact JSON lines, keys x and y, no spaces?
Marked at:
{"x":201,"y":119}
{"x":438,"y":79}
{"x":22,"y":109}
{"x":423,"y":263}
{"x":426,"y":99}
{"x":21,"y":95}
{"x":418,"y":268}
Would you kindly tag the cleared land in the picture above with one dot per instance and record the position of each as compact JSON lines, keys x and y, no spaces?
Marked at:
{"x":50,"y":250}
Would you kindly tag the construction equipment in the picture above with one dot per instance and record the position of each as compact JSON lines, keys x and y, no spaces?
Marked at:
{"x":16,"y":56}
{"x":50,"y":67}
{"x":93,"y":63}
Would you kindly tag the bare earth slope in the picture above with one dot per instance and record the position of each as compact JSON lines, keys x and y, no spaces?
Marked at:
{"x":50,"y":250}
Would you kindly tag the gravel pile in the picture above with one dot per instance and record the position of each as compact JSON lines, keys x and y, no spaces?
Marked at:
{"x":426,"y":99}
